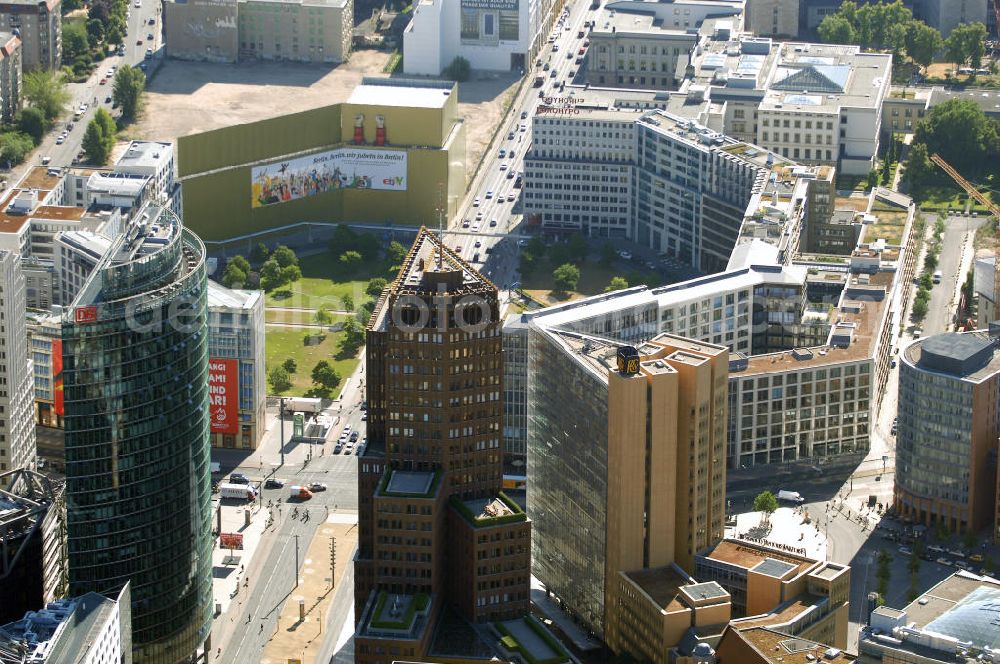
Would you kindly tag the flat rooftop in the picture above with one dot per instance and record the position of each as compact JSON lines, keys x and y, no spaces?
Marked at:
{"x":488,"y":508}
{"x":661,"y":584}
{"x":748,"y":556}
{"x":410,"y":481}
{"x":774,"y":646}
{"x":220,"y":296}
{"x":39,"y":178}
{"x":953,"y":593}
{"x":145,"y":154}
{"x":969,"y":356}
{"x":402,"y":92}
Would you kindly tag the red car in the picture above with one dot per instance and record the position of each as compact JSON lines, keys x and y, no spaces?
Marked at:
{"x":104,"y":81}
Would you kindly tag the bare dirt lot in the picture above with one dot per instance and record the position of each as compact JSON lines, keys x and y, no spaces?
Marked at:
{"x":190,"y":97}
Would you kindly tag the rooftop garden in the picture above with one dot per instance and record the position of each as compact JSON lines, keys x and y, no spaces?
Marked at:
{"x":480,"y":522}
{"x":531,"y":640}
{"x":381,"y":618}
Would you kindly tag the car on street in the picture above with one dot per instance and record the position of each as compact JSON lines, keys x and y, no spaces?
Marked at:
{"x":479,"y":217}
{"x":906,"y":551}
{"x":961,"y":564}
{"x":46,"y":159}
{"x":152,"y":20}
{"x":239,"y":478}
{"x":150,"y":36}
{"x":274,"y":483}
{"x":149,"y":53}
{"x":524,"y":127}
{"x":524,"y":115}
{"x":316,"y":486}
{"x":138,"y":42}
{"x":338,"y":448}
{"x":552,"y":74}
{"x":489,"y":194}
{"x":60,"y":140}
{"x":364,"y":416}
{"x":142,"y":66}
{"x":943,"y":561}
{"x":503,"y":166}
{"x":107,"y":100}
{"x":478,"y":244}
{"x":493,"y":221}
{"x":510,"y":136}
{"x":625,"y":255}
{"x":976,"y":558}
{"x":466,"y":223}
{"x":511,"y":174}
{"x":354,"y":436}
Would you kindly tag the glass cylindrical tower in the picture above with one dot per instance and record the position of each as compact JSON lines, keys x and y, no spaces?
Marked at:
{"x":138,"y":489}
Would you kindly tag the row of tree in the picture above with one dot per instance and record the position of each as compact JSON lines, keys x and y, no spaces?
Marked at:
{"x":890,"y":26}
{"x":276,"y":269}
{"x":961,"y":132}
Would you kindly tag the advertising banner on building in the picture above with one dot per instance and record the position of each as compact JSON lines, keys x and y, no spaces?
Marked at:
{"x":224,"y":395}
{"x":488,"y":22}
{"x":231,"y":541}
{"x":57,"y":378}
{"x":343,"y":168}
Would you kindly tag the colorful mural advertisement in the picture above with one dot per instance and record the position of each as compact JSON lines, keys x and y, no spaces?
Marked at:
{"x":224,"y":395}
{"x":343,"y":168}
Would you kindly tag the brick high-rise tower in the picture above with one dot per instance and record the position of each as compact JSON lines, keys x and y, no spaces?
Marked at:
{"x":436,"y":533}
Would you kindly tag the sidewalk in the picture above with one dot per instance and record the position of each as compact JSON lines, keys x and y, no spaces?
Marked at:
{"x":550,"y":607}
{"x":302,"y":639}
{"x":227,"y":578}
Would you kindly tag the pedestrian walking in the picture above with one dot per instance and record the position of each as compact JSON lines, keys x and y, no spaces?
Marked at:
{"x":261,"y":628}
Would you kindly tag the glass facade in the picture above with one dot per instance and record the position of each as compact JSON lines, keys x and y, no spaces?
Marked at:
{"x":137,"y":450}
{"x":568,"y":467}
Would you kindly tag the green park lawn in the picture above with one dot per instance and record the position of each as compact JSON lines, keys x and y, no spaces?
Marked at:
{"x":285,"y":343}
{"x":325,"y":282}
{"x":594,"y":278}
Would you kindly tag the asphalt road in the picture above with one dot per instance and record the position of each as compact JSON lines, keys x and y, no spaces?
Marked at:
{"x":941,"y":306}
{"x":487,"y":208}
{"x":62,"y":155}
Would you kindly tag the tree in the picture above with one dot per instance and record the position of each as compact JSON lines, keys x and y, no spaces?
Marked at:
{"x":577,"y":245}
{"x":344,"y":238}
{"x":233,"y":276}
{"x":919,"y":308}
{"x":95,"y":30}
{"x":616,"y":283}
{"x":325,"y":375}
{"x":348,"y":301}
{"x":396,"y":253}
{"x":536,"y":247}
{"x":240,"y":262}
{"x":961,"y":133}
{"x":279,"y":379}
{"x":259,"y":253}
{"x":566,"y":277}
{"x":350,"y":259}
{"x":608,"y":254}
{"x":290,"y":365}
{"x":15,"y":146}
{"x":354,"y":334}
{"x":273,"y":276}
{"x":835,"y":29}
{"x":94,"y":144}
{"x":967,"y":43}
{"x":919,"y":167}
{"x":285,"y":256}
{"x":766,"y":504}
{"x":923,"y":42}
{"x":75,"y":40}
{"x":130,"y":82}
{"x":33,"y":123}
{"x":459,"y":69}
{"x":376,"y":286}
{"x":323,"y":316}
{"x":46,"y":91}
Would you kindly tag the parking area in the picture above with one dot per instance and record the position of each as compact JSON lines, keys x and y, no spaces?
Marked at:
{"x":191,"y":97}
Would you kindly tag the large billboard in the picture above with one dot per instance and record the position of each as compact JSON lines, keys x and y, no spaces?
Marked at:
{"x":343,"y":168}
{"x":57,"y":378}
{"x":488,"y":22}
{"x":224,"y":395}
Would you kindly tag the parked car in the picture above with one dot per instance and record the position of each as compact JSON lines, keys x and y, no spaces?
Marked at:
{"x":239,"y":478}
{"x":354,"y":436}
{"x":906,"y":551}
{"x":943,"y":561}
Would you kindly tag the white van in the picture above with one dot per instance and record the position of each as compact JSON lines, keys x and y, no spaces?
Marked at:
{"x":791,"y":496}
{"x":237,"y":491}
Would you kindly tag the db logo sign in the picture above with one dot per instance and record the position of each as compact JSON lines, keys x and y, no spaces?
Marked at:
{"x":86,"y":314}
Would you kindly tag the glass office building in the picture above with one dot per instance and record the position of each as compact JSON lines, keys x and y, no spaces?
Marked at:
{"x":138,"y":489}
